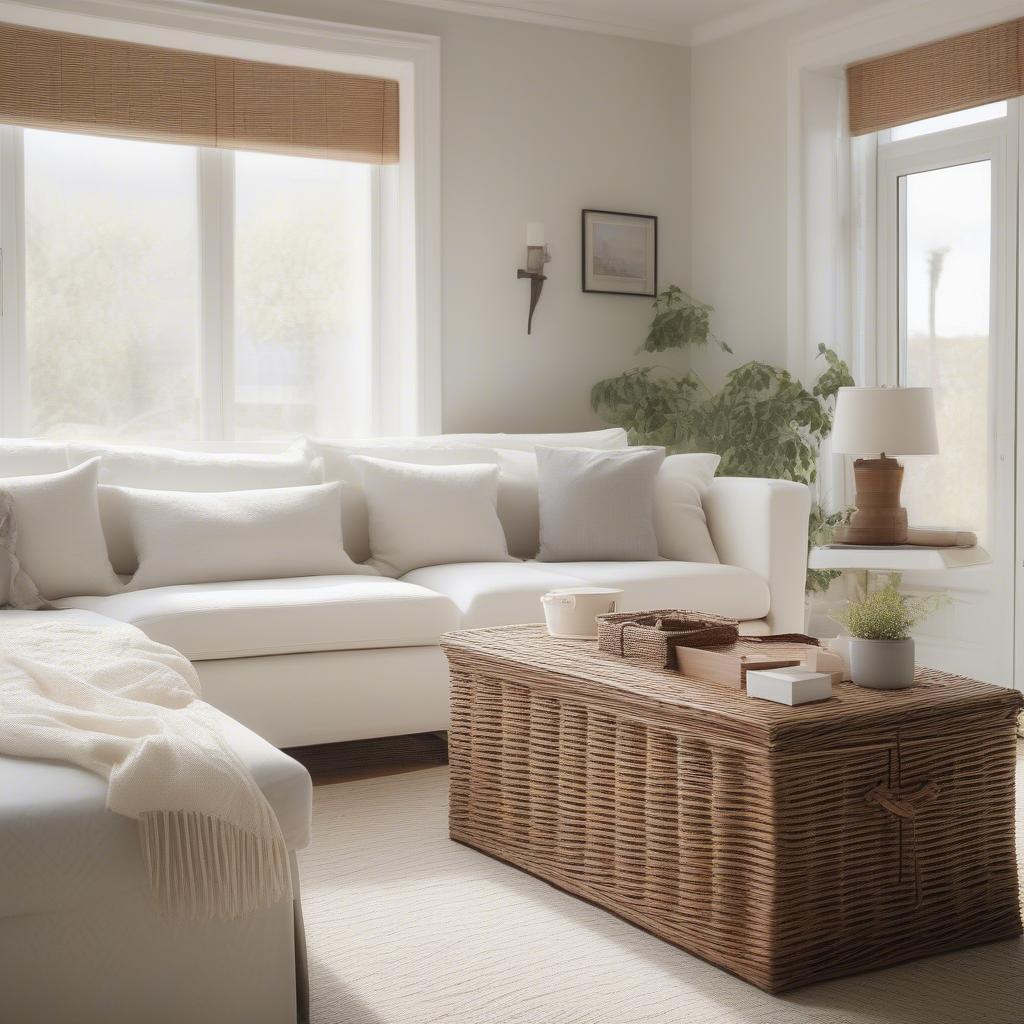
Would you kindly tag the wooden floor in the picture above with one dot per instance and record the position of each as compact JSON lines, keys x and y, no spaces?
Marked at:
{"x":367,"y":759}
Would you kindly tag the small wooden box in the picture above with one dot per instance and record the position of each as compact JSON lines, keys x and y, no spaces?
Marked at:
{"x":728,"y":666}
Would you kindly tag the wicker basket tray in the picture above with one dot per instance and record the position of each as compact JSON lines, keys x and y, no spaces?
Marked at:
{"x":653,"y":636}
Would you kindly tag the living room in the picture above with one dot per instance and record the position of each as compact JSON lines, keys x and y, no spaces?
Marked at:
{"x":509,"y":511}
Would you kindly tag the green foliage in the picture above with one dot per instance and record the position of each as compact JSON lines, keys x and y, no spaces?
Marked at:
{"x":822,"y":530}
{"x":763,"y":422}
{"x":886,"y":614}
{"x":679,"y":321}
{"x":653,"y":410}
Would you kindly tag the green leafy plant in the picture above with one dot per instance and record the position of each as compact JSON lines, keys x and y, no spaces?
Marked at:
{"x":822,"y":530}
{"x":887,"y":614}
{"x":762,"y":422}
{"x":679,"y":320}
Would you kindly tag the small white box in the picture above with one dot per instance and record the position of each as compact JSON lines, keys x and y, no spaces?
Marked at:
{"x":789,"y":685}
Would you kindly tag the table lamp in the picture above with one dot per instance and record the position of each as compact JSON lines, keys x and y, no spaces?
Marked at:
{"x":881,"y":423}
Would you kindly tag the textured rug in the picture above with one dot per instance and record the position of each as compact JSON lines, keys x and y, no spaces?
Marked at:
{"x":406,"y":927}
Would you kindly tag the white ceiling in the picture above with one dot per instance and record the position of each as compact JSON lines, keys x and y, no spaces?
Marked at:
{"x":670,"y":21}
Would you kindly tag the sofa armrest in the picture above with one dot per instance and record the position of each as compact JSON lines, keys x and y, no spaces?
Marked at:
{"x":761,"y":525}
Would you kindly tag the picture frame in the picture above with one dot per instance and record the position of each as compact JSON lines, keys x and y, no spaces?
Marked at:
{"x":620,"y":253}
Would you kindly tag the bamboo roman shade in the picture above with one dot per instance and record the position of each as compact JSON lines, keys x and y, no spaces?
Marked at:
{"x":937,"y":78}
{"x":73,"y":83}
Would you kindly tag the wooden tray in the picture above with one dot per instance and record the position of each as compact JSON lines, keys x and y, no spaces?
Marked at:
{"x":728,"y":666}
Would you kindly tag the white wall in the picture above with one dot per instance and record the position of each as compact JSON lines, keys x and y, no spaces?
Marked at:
{"x":745,"y":120}
{"x":537,"y":124}
{"x":771,"y":220}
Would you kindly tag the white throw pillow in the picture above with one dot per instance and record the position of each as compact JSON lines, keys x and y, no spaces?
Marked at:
{"x":431,"y":515}
{"x":338,"y":459}
{"x":168,"y":469}
{"x":679,"y":519}
{"x":203,"y":537}
{"x":60,"y":540}
{"x":598,"y":506}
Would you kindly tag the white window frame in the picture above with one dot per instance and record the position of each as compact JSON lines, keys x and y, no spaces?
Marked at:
{"x":407,"y":213}
{"x":995,"y":141}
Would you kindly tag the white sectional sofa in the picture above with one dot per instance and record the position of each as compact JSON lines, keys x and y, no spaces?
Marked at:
{"x":81,"y":938}
{"x":327,"y":658}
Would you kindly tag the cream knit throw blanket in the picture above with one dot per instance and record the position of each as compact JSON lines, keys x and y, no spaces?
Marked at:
{"x":111,"y":700}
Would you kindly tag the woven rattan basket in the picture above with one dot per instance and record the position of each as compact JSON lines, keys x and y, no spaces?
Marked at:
{"x":653,"y":636}
{"x":787,"y":845}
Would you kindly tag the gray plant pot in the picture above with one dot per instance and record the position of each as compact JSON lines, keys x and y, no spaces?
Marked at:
{"x":882,"y":664}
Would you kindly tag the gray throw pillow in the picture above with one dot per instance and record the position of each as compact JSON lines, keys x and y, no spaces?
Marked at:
{"x":597,"y":506}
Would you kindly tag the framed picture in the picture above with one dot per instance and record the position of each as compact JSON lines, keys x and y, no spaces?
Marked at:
{"x":620,"y":253}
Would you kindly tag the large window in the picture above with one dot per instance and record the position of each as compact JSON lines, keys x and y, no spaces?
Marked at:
{"x":945,"y":262}
{"x":945,"y":336}
{"x":169,"y":293}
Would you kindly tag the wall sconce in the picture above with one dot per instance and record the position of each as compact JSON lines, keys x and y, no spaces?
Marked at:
{"x":536,"y":256}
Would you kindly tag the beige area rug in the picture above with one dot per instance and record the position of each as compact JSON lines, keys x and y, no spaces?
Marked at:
{"x":406,"y":927}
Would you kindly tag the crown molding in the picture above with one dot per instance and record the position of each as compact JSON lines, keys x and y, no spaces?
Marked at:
{"x":750,"y":17}
{"x":567,"y":16}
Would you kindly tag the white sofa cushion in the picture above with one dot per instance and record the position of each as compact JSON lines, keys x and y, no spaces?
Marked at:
{"x":202,"y":537}
{"x":597,"y":505}
{"x":21,"y":456}
{"x":494,"y":593}
{"x":60,"y":840}
{"x":722,"y":589}
{"x":519,"y":502}
{"x":431,"y":515}
{"x":167,"y":469}
{"x":60,"y":541}
{"x":679,"y":519}
{"x":607,"y":439}
{"x":257,"y":617}
{"x":339,"y":463}
{"x":170,"y":469}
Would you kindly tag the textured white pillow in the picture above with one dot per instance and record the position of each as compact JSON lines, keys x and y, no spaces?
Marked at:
{"x":204,"y":537}
{"x":431,"y":515}
{"x":679,"y":519}
{"x":597,"y":506}
{"x":60,"y":540}
{"x":338,"y":459}
{"x":167,"y":469}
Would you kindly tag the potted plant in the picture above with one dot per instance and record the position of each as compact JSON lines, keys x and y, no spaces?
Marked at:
{"x":762,"y":421}
{"x":879,"y":624}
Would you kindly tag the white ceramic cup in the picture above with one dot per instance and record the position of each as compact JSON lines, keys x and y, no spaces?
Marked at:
{"x":571,"y":612}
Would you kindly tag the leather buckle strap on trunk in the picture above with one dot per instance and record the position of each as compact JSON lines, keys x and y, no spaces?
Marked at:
{"x":904,"y":805}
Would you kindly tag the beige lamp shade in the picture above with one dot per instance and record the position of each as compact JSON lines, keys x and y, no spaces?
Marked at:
{"x":896,"y":421}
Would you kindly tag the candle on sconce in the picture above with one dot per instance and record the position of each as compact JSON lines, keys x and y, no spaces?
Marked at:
{"x":536,"y":257}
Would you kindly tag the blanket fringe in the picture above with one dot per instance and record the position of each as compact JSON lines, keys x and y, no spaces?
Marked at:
{"x":202,"y":867}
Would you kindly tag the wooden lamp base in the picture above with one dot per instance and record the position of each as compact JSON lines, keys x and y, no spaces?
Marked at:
{"x":879,"y":517}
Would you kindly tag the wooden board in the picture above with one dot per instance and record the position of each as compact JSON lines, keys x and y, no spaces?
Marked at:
{"x":728,"y":666}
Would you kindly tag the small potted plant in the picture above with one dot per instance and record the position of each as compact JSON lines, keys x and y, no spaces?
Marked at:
{"x":879,"y":624}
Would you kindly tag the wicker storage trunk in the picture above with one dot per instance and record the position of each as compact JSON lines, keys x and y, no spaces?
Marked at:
{"x":787,"y":845}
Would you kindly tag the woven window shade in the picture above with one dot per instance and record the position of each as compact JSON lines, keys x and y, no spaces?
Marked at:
{"x":64,"y":82}
{"x":937,"y":78}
